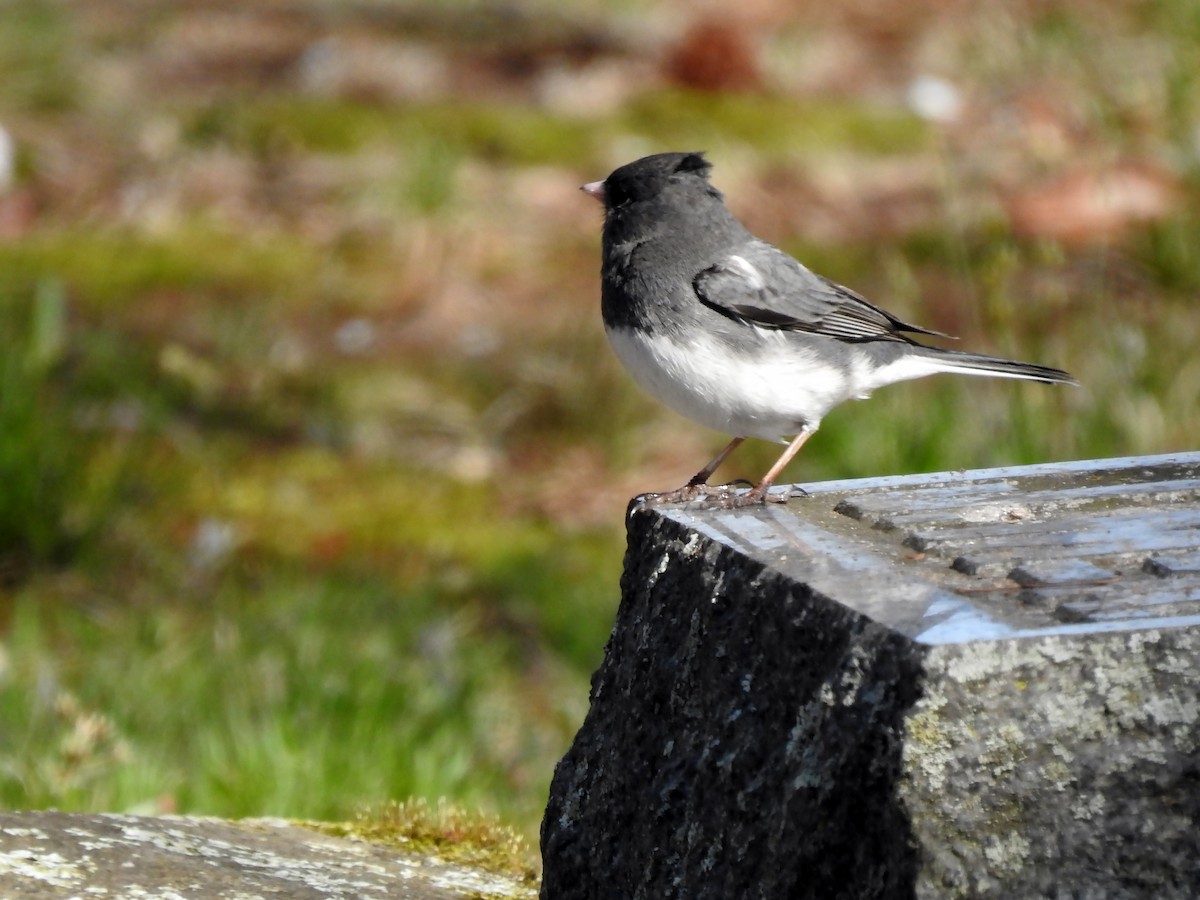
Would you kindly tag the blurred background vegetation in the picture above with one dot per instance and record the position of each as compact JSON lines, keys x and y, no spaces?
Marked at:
{"x":313,"y":458}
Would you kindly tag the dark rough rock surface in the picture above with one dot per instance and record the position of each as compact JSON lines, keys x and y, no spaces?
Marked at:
{"x":56,"y":856}
{"x":742,"y":728}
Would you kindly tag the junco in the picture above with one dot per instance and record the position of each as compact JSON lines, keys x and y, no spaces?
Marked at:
{"x":733,"y":333}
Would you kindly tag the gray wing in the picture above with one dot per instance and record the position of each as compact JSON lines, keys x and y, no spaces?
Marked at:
{"x":761,"y":285}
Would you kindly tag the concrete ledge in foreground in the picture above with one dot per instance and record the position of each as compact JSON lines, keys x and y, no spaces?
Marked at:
{"x":52,"y":855}
{"x":970,"y":684}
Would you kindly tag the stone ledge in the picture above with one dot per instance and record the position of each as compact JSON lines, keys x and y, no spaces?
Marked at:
{"x":821,"y":700}
{"x":54,"y":855}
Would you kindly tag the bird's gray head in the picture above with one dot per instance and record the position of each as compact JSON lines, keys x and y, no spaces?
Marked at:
{"x":649,"y":177}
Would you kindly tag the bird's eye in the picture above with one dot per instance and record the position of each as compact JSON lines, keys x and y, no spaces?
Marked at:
{"x":614,"y":193}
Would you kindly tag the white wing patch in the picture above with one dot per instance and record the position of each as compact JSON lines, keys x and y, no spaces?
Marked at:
{"x":743,"y":267}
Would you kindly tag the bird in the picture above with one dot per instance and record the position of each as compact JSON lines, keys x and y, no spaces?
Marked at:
{"x":737,"y":335}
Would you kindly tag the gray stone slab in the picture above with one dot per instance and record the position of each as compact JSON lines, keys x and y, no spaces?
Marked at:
{"x":48,"y":855}
{"x":968,"y":684}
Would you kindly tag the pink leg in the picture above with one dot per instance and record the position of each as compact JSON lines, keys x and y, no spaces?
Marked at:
{"x":759,"y":493}
{"x":698,"y":486}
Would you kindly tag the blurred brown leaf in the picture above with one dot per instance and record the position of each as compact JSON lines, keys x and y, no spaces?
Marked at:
{"x":18,"y":213}
{"x":1085,"y":206}
{"x":207,"y":48}
{"x":715,"y":54}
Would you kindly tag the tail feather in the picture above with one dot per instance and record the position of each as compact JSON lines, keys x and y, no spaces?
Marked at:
{"x":964,"y":363}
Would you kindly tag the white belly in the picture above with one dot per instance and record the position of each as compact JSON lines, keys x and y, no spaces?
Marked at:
{"x":772,"y":396}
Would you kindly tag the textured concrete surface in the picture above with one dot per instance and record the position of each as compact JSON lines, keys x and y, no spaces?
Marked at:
{"x":741,"y":731}
{"x":973,"y":684}
{"x":1059,"y":767}
{"x":56,"y":856}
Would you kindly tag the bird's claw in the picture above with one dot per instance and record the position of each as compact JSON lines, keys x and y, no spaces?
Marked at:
{"x":721,"y":496}
{"x":687,"y":494}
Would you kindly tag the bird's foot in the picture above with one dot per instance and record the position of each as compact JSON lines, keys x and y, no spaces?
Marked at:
{"x":756,"y":496}
{"x":720,"y":496}
{"x":687,"y":494}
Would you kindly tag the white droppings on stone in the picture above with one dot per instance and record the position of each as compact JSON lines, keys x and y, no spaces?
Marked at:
{"x":36,"y":833}
{"x":1007,"y":852}
{"x":51,"y":869}
{"x":659,"y":569}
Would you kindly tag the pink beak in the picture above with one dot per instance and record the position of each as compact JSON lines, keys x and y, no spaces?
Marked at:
{"x":594,"y":189}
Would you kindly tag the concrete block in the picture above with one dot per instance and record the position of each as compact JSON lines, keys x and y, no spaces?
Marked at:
{"x":969,"y":684}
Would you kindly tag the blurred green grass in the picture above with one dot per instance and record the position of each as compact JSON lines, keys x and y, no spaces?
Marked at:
{"x":314,"y":482}
{"x":516,"y":135}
